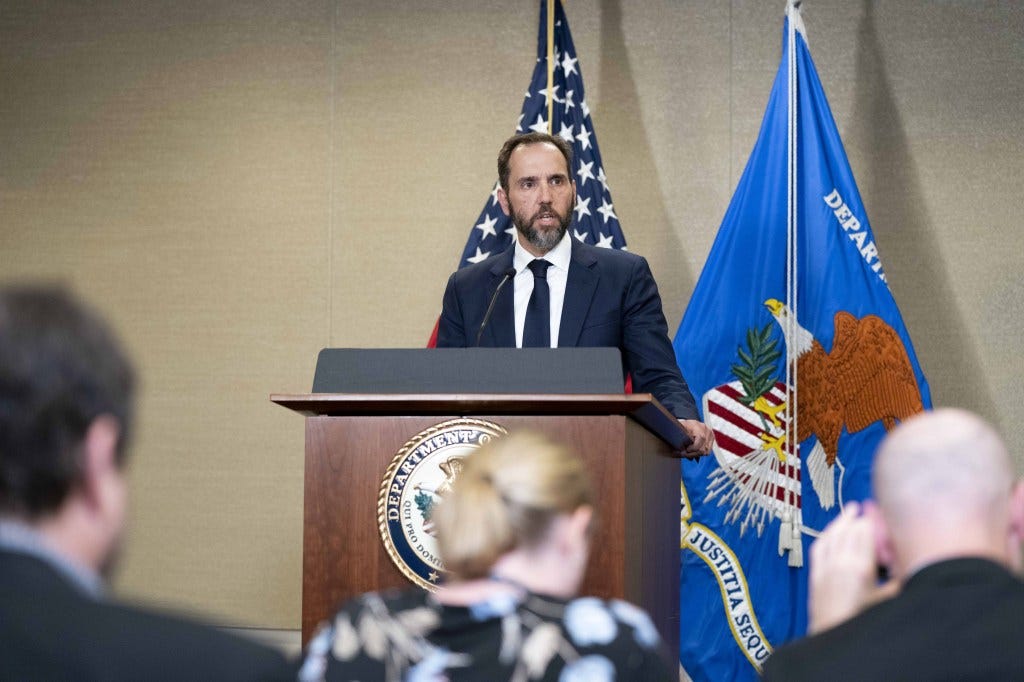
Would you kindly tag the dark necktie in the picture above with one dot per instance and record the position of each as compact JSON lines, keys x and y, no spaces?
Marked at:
{"x":537,"y":330}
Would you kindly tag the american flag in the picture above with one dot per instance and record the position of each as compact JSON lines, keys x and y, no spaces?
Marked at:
{"x":595,"y":221}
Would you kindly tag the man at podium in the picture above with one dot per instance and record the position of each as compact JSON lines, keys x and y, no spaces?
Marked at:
{"x":563,"y":292}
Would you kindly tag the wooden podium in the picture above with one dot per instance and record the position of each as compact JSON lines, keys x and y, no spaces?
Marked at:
{"x":626,"y":441}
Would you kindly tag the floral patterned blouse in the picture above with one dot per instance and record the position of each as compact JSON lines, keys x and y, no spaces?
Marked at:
{"x":410,"y":636}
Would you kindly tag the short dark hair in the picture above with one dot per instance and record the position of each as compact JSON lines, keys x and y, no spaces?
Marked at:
{"x":530,"y":138}
{"x":61,"y":367}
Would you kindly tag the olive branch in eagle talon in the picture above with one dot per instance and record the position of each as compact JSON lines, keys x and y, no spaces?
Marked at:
{"x":425,"y":503}
{"x":756,"y":372}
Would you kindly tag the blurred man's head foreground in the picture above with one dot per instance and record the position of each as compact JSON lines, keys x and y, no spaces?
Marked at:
{"x":66,"y":403}
{"x":946,"y":487}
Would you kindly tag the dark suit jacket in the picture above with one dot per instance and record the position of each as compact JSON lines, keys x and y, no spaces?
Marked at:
{"x":611,"y":299}
{"x":49,"y":630}
{"x":961,"y":619}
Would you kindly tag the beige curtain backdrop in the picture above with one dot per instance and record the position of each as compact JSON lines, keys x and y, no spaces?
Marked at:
{"x":239,"y":184}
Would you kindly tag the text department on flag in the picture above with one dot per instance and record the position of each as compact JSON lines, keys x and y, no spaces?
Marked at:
{"x":852,"y":225}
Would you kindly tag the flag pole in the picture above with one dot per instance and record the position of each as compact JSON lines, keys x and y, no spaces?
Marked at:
{"x":792,"y":522}
{"x":551,"y":65}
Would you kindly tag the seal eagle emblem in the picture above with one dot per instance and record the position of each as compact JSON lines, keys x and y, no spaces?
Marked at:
{"x":419,"y":476}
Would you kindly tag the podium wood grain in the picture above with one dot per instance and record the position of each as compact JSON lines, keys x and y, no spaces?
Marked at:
{"x":635,"y":475}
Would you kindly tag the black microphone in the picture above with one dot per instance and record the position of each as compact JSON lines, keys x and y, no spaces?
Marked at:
{"x":509,"y":274}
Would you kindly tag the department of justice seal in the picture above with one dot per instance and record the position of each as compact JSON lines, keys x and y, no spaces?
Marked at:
{"x":420,"y":473}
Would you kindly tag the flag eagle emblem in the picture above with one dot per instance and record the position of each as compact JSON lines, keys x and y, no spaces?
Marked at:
{"x":867,"y":377}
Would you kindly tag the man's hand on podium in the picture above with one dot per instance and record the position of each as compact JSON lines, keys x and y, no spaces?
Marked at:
{"x":702,"y":436}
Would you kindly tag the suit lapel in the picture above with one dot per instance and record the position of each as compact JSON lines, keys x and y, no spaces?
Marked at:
{"x":579,"y":291}
{"x":501,"y":330}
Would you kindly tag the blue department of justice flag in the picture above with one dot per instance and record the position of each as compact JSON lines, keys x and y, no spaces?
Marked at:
{"x":595,"y":221}
{"x":795,"y":349}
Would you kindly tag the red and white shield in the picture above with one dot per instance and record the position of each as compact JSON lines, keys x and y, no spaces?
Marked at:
{"x":752,"y":477}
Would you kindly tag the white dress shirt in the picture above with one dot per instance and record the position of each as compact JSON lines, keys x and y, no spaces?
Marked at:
{"x":557,"y":275}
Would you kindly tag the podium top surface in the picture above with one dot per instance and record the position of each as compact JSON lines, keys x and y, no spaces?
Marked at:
{"x":469,"y":370}
{"x":641,"y":407}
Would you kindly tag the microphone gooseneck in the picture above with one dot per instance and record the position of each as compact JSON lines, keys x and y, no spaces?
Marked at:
{"x":509,"y":274}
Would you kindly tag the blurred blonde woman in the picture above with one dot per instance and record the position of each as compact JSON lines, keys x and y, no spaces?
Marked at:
{"x":514,"y":535}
